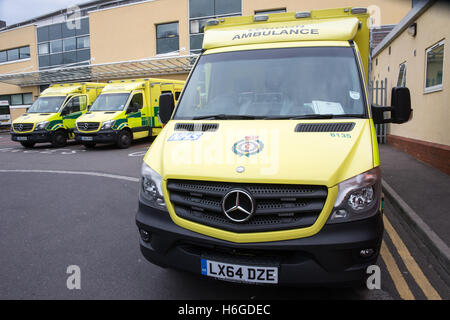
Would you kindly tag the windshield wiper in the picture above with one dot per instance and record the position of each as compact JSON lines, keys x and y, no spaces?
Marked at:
{"x":223,"y":116}
{"x":305,"y":116}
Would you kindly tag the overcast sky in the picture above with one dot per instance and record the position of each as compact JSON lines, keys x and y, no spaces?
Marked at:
{"x":13,"y":11}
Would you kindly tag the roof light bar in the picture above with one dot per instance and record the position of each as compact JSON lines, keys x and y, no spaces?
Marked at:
{"x":212,"y":22}
{"x":303,"y":14}
{"x":358,"y":10}
{"x":261,"y":17}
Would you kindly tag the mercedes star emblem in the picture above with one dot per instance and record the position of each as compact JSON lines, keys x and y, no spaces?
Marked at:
{"x":238,"y":205}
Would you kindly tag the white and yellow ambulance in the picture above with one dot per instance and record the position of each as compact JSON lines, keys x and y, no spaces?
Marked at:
{"x":51,"y":118}
{"x":125,"y":111}
{"x":267,"y":171}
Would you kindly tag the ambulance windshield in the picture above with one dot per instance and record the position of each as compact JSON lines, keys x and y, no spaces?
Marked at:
{"x":47,"y":104}
{"x":110,"y":102}
{"x":275,"y":84}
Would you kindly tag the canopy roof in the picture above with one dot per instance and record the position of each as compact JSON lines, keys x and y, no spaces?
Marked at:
{"x":106,"y":71}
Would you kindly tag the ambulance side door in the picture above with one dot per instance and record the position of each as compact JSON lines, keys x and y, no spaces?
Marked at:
{"x":135,"y":113}
{"x":74,"y":108}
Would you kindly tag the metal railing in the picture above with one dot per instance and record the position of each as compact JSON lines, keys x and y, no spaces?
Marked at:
{"x":378,"y":96}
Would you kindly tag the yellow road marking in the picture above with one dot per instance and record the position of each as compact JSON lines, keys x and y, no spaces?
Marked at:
{"x":410,"y":263}
{"x":399,"y":282}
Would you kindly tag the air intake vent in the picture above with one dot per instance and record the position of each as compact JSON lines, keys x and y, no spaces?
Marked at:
{"x":196,"y":127}
{"x":325,"y":127}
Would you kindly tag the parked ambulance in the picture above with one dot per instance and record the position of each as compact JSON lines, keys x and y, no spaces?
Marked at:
{"x":125,"y":111}
{"x":267,"y":171}
{"x":51,"y":118}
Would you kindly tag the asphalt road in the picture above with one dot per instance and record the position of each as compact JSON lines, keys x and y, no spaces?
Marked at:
{"x":51,"y":219}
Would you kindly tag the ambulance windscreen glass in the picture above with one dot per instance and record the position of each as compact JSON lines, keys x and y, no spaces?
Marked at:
{"x":47,"y":105}
{"x":273,"y":83}
{"x":110,"y":102}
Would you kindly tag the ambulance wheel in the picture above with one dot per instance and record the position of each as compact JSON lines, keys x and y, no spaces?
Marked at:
{"x":27,"y":144}
{"x":124,"y":139}
{"x":89,"y":145}
{"x":59,"y":139}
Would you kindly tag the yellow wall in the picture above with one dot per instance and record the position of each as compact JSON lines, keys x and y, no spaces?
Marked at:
{"x":12,"y":39}
{"x":129,"y":32}
{"x":391,"y":11}
{"x":431,"y":110}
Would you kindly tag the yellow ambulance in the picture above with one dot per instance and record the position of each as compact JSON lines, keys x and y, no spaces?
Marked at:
{"x":51,"y":118}
{"x":125,"y":111}
{"x":267,"y":171}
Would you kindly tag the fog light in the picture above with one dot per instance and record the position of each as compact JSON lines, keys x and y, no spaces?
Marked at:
{"x":339,"y":214}
{"x":145,"y":236}
{"x":366,"y":253}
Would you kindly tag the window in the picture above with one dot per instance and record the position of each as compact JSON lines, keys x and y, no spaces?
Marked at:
{"x":24,"y":53}
{"x":69,"y":57}
{"x":227,"y":6}
{"x":137,"y":100}
{"x":55,"y":31}
{"x":15,"y":54}
{"x":16,"y":99}
{"x":401,"y":81}
{"x":69,"y":44}
{"x":270,"y":11}
{"x":286,"y":82}
{"x":44,"y":48}
{"x":27,"y":98}
{"x":64,"y":43}
{"x":84,"y":27}
{"x":83,"y":55}
{"x":206,"y":8}
{"x":200,"y":11}
{"x":83,"y":42}
{"x":167,"y":38}
{"x":42,"y":34}
{"x":434,"y":67}
{"x":77,"y":104}
{"x":56,"y":59}
{"x":56,"y":46}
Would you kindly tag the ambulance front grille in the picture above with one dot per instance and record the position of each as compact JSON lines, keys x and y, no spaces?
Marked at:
{"x":23,"y":127}
{"x":88,"y":126}
{"x":277,"y":207}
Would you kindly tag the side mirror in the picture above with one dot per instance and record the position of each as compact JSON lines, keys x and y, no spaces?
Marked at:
{"x":400,"y":108}
{"x":166,"y":107}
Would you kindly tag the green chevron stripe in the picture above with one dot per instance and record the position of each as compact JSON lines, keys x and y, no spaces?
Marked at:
{"x":73,"y":115}
{"x":118,"y":123}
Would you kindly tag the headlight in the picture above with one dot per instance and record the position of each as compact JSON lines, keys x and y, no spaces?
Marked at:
{"x":41,"y":125}
{"x":358,"y":197}
{"x":108,"y":124}
{"x":151,"y":188}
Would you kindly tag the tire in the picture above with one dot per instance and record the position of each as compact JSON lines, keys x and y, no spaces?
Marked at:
{"x":124,"y":139}
{"x":59,"y":139}
{"x":89,"y":145}
{"x":27,"y":144}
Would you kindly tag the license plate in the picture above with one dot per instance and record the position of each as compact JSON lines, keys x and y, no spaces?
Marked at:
{"x":239,"y":273}
{"x":83,"y":138}
{"x":21,"y":138}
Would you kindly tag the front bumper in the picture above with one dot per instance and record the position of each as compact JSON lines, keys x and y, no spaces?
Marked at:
{"x":35,"y":136}
{"x":102,"y":136}
{"x":331,"y":257}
